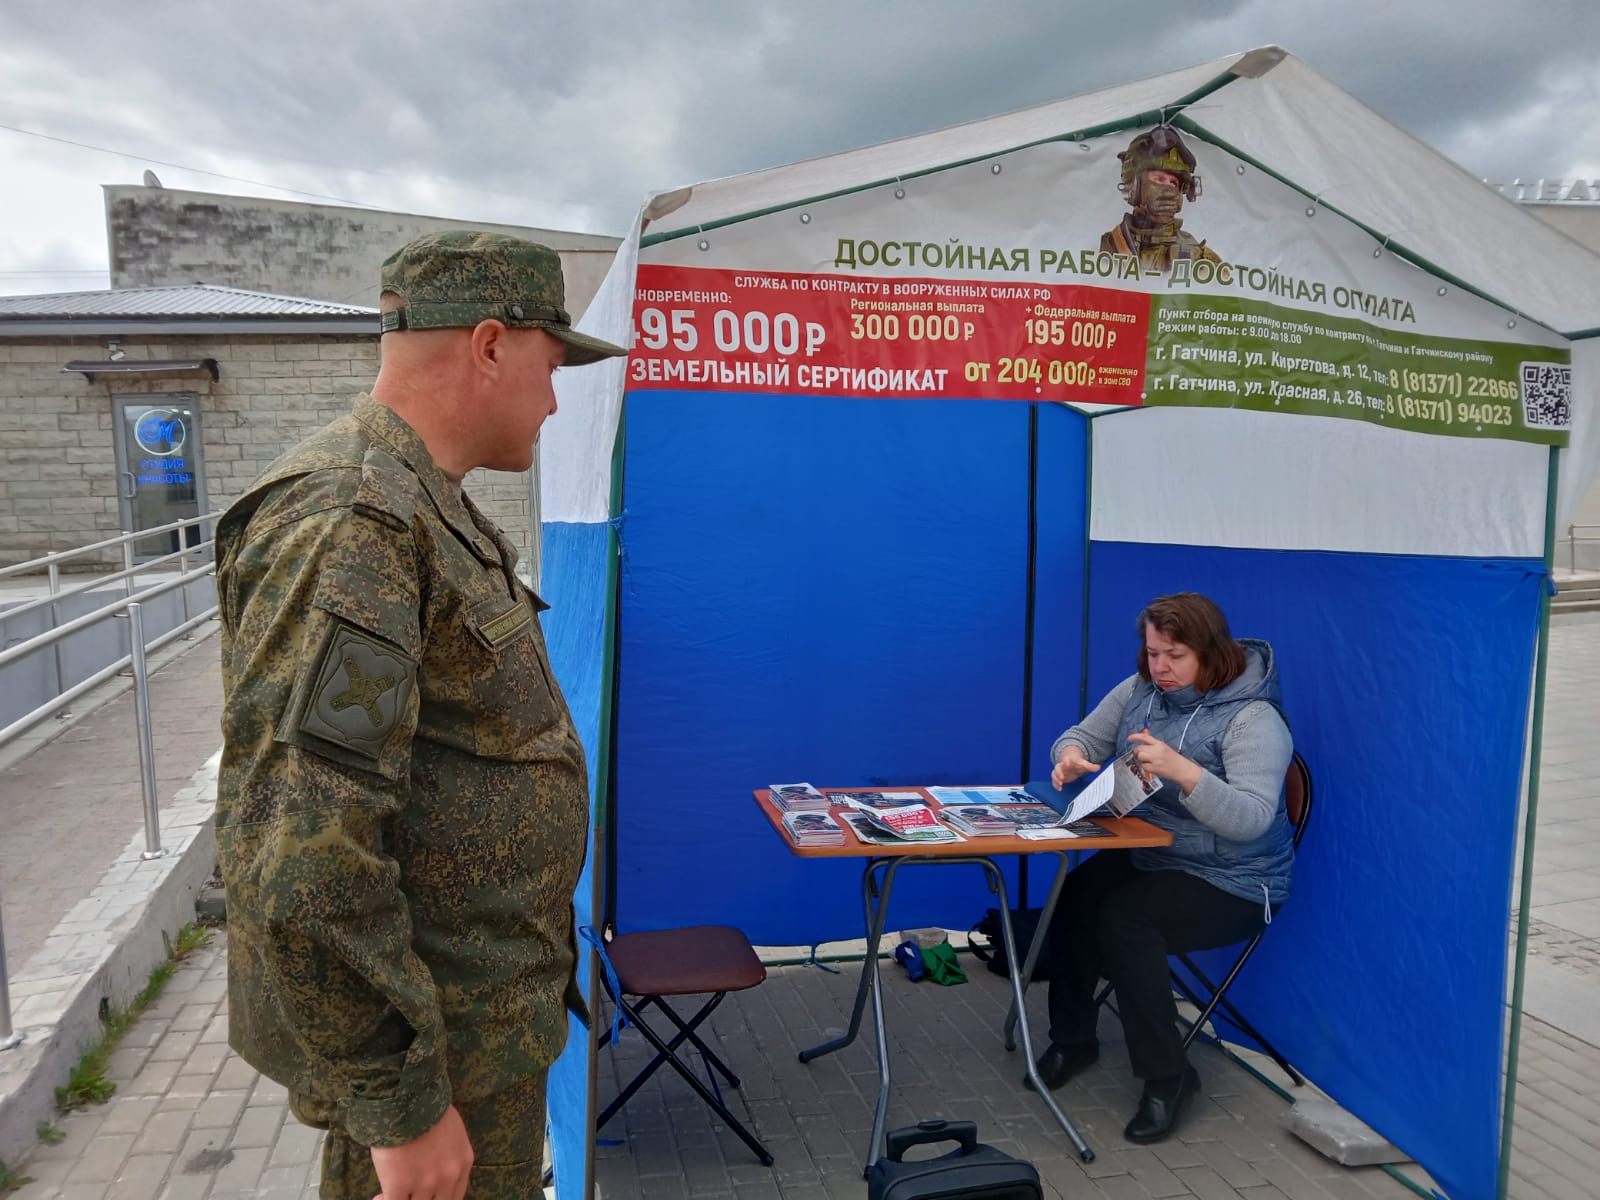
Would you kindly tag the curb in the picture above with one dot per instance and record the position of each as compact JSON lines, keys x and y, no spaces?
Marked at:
{"x":60,"y":994}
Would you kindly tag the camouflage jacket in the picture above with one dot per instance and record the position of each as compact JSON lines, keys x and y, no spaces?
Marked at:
{"x":403,"y":802}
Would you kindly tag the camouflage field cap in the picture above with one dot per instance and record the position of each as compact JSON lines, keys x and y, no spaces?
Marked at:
{"x":458,"y":278}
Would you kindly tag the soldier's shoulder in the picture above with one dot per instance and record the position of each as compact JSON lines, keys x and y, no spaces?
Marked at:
{"x":338,"y":471}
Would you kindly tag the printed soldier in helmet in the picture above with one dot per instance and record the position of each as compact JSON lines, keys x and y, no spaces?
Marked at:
{"x":1158,"y":175}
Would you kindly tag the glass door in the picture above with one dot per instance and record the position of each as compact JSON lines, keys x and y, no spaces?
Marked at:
{"x":160,"y":468}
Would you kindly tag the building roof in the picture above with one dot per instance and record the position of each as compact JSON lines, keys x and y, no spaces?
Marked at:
{"x":189,"y":300}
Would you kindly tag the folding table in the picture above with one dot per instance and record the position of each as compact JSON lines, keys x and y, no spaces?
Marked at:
{"x":1126,"y":833}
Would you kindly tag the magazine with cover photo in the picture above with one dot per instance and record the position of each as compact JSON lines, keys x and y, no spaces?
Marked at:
{"x":1119,"y":788}
{"x":874,"y":798}
{"x":797,"y":797}
{"x":980,"y":795}
{"x":979,"y":820}
{"x":896,"y":826}
{"x":812,"y":829}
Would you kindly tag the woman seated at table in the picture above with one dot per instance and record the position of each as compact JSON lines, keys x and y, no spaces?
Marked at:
{"x":1204,"y":713}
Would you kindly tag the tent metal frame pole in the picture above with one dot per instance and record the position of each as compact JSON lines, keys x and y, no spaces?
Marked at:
{"x":1525,"y":895}
{"x":1189,"y":126}
{"x":1088,"y":531}
{"x":610,"y":672}
{"x":602,"y":888}
{"x":1030,"y":619}
{"x":1155,"y":116}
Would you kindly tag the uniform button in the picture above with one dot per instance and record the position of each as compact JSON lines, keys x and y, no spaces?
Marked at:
{"x":516,"y":311}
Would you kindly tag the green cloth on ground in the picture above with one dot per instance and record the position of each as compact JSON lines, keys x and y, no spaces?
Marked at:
{"x":942,"y":965}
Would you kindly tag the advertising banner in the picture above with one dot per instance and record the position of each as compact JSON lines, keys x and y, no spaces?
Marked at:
{"x":1001,"y":280}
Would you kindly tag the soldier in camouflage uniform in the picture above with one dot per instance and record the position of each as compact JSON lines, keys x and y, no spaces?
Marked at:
{"x":403,"y":801}
{"x":1158,"y":174}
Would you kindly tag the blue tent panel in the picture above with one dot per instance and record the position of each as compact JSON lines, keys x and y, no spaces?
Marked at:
{"x":814,"y":588}
{"x":574,"y":585}
{"x":1407,"y":683}
{"x":1061,"y":541}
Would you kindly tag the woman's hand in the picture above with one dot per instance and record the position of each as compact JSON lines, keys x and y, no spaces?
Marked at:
{"x":1071,"y":765}
{"x":1158,"y":758}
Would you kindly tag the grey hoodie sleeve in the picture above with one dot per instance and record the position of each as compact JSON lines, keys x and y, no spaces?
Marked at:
{"x":1096,"y":734}
{"x":1255,"y":754}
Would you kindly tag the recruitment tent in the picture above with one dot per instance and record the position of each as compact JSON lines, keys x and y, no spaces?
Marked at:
{"x":910,"y":436}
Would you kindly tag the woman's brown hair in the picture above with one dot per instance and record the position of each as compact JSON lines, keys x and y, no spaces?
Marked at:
{"x":1196,"y":622}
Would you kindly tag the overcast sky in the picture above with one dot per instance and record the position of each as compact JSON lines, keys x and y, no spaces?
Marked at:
{"x":565,"y":116}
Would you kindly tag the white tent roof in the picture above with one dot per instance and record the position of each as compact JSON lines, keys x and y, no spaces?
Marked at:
{"x":1267,"y":105}
{"x":1270,"y":106}
{"x":739,"y":195}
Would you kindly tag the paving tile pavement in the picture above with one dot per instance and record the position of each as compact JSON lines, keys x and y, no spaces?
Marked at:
{"x":190,"y":1121}
{"x":86,"y":781}
{"x":1564,"y":916}
{"x":947,"y":1060}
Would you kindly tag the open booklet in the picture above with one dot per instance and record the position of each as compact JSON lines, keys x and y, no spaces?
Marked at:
{"x":1119,"y":788}
{"x":891,"y":818}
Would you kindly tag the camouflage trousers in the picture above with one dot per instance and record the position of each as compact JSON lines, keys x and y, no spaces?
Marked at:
{"x":507,"y":1135}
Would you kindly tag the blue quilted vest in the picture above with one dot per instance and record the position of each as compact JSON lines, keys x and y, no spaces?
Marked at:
{"x":1193,"y":723}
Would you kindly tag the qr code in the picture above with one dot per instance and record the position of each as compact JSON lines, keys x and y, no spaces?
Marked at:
{"x":1547,"y":395}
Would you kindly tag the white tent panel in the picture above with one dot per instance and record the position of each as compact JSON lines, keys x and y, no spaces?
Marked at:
{"x":575,"y":445}
{"x":741,"y":195}
{"x":1327,"y":142}
{"x":1261,"y":480}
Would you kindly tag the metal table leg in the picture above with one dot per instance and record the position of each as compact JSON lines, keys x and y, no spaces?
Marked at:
{"x":879,"y":1028}
{"x":998,"y":882}
{"x":1040,"y":932}
{"x":874,"y":909}
{"x":876,"y":902}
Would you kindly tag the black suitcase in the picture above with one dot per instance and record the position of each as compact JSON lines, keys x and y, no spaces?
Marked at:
{"x":972,"y":1171}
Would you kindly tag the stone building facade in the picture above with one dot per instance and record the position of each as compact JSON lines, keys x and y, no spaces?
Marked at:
{"x":165,"y":238}
{"x":279,"y":376}
{"x":159,"y":237}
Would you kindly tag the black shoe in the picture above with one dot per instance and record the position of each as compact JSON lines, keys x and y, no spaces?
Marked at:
{"x":1158,"y":1115}
{"x":1060,"y":1063}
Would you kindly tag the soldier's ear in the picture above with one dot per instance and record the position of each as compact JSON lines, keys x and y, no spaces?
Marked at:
{"x":488,"y":345}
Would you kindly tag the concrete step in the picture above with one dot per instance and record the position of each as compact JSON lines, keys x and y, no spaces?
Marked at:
{"x":1562,"y":604}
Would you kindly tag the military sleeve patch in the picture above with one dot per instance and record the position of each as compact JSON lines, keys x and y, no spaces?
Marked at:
{"x":361,"y":691}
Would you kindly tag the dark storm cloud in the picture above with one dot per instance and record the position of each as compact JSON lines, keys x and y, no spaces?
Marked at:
{"x":567,"y":115}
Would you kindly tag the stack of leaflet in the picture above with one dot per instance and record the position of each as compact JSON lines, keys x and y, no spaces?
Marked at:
{"x":807,"y":829}
{"x":1014,"y":811}
{"x":1032,"y":816}
{"x":798,"y":797}
{"x":977,"y":820}
{"x":892,"y":818}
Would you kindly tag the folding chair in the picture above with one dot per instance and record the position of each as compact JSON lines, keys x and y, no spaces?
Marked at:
{"x":1297,"y":800}
{"x":696,"y":961}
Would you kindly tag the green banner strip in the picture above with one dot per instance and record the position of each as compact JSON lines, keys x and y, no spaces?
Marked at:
{"x":1225,"y":352}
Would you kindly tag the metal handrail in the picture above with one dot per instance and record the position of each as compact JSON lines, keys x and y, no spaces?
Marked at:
{"x":61,"y":556}
{"x":130,"y":605}
{"x":52,"y":565}
{"x":1574,"y":537}
{"x":50,"y":636}
{"x":99,"y":581}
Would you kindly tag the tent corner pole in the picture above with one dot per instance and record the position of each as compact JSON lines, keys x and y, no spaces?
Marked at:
{"x":1530,"y":819}
{"x":611,"y":640}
